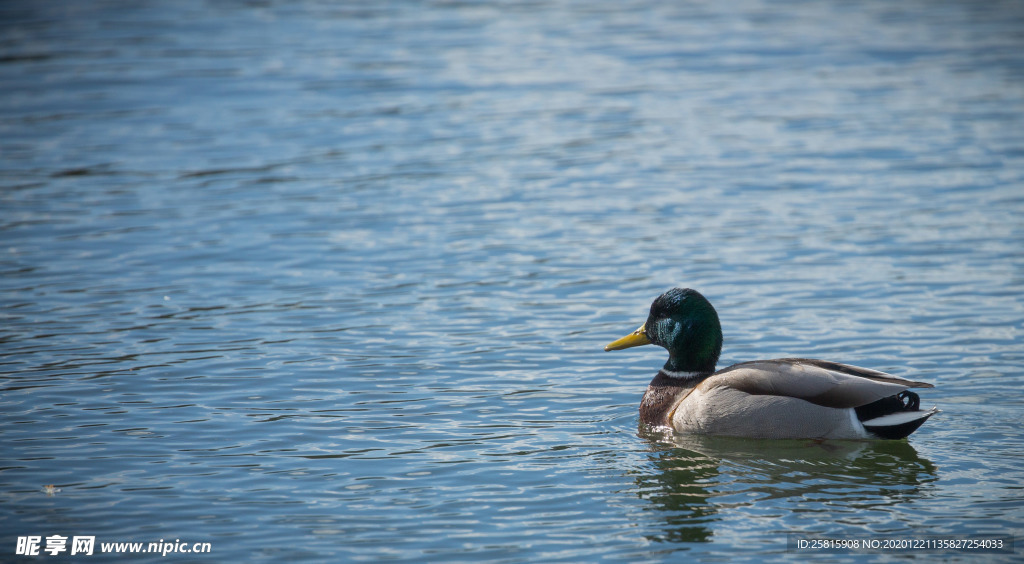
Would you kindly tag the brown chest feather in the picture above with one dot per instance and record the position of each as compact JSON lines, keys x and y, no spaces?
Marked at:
{"x":663,"y":393}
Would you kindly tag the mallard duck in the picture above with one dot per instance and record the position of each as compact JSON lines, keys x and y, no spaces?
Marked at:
{"x":786,"y":398}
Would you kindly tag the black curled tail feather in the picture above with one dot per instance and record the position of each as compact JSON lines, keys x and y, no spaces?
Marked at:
{"x":903,"y":401}
{"x":911,"y":401}
{"x":893,"y":427}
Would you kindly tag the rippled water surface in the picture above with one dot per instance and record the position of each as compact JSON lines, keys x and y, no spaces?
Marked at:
{"x":330,"y":281}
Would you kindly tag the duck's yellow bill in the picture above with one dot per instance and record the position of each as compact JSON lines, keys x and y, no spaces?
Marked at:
{"x":634,"y":339}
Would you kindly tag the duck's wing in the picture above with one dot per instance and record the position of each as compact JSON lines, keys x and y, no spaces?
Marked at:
{"x":820,"y":382}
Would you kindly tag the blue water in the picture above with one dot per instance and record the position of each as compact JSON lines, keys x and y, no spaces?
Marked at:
{"x":331,"y":281}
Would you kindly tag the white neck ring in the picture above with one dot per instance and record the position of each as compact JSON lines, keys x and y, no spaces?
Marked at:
{"x":681,"y":375}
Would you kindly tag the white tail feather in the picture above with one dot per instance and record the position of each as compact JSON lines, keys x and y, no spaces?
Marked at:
{"x":900,"y":418}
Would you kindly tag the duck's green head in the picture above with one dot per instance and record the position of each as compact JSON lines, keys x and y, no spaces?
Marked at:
{"x":683,"y":322}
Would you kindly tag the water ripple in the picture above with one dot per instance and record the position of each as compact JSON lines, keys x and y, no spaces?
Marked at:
{"x":319,"y":282}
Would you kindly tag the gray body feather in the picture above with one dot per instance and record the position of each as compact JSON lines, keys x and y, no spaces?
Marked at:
{"x":784,"y":398}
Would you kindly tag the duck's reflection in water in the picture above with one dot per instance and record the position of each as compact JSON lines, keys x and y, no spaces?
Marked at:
{"x":697,"y":480}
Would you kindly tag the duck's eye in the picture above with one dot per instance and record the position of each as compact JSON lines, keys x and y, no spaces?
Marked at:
{"x":667,"y":330}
